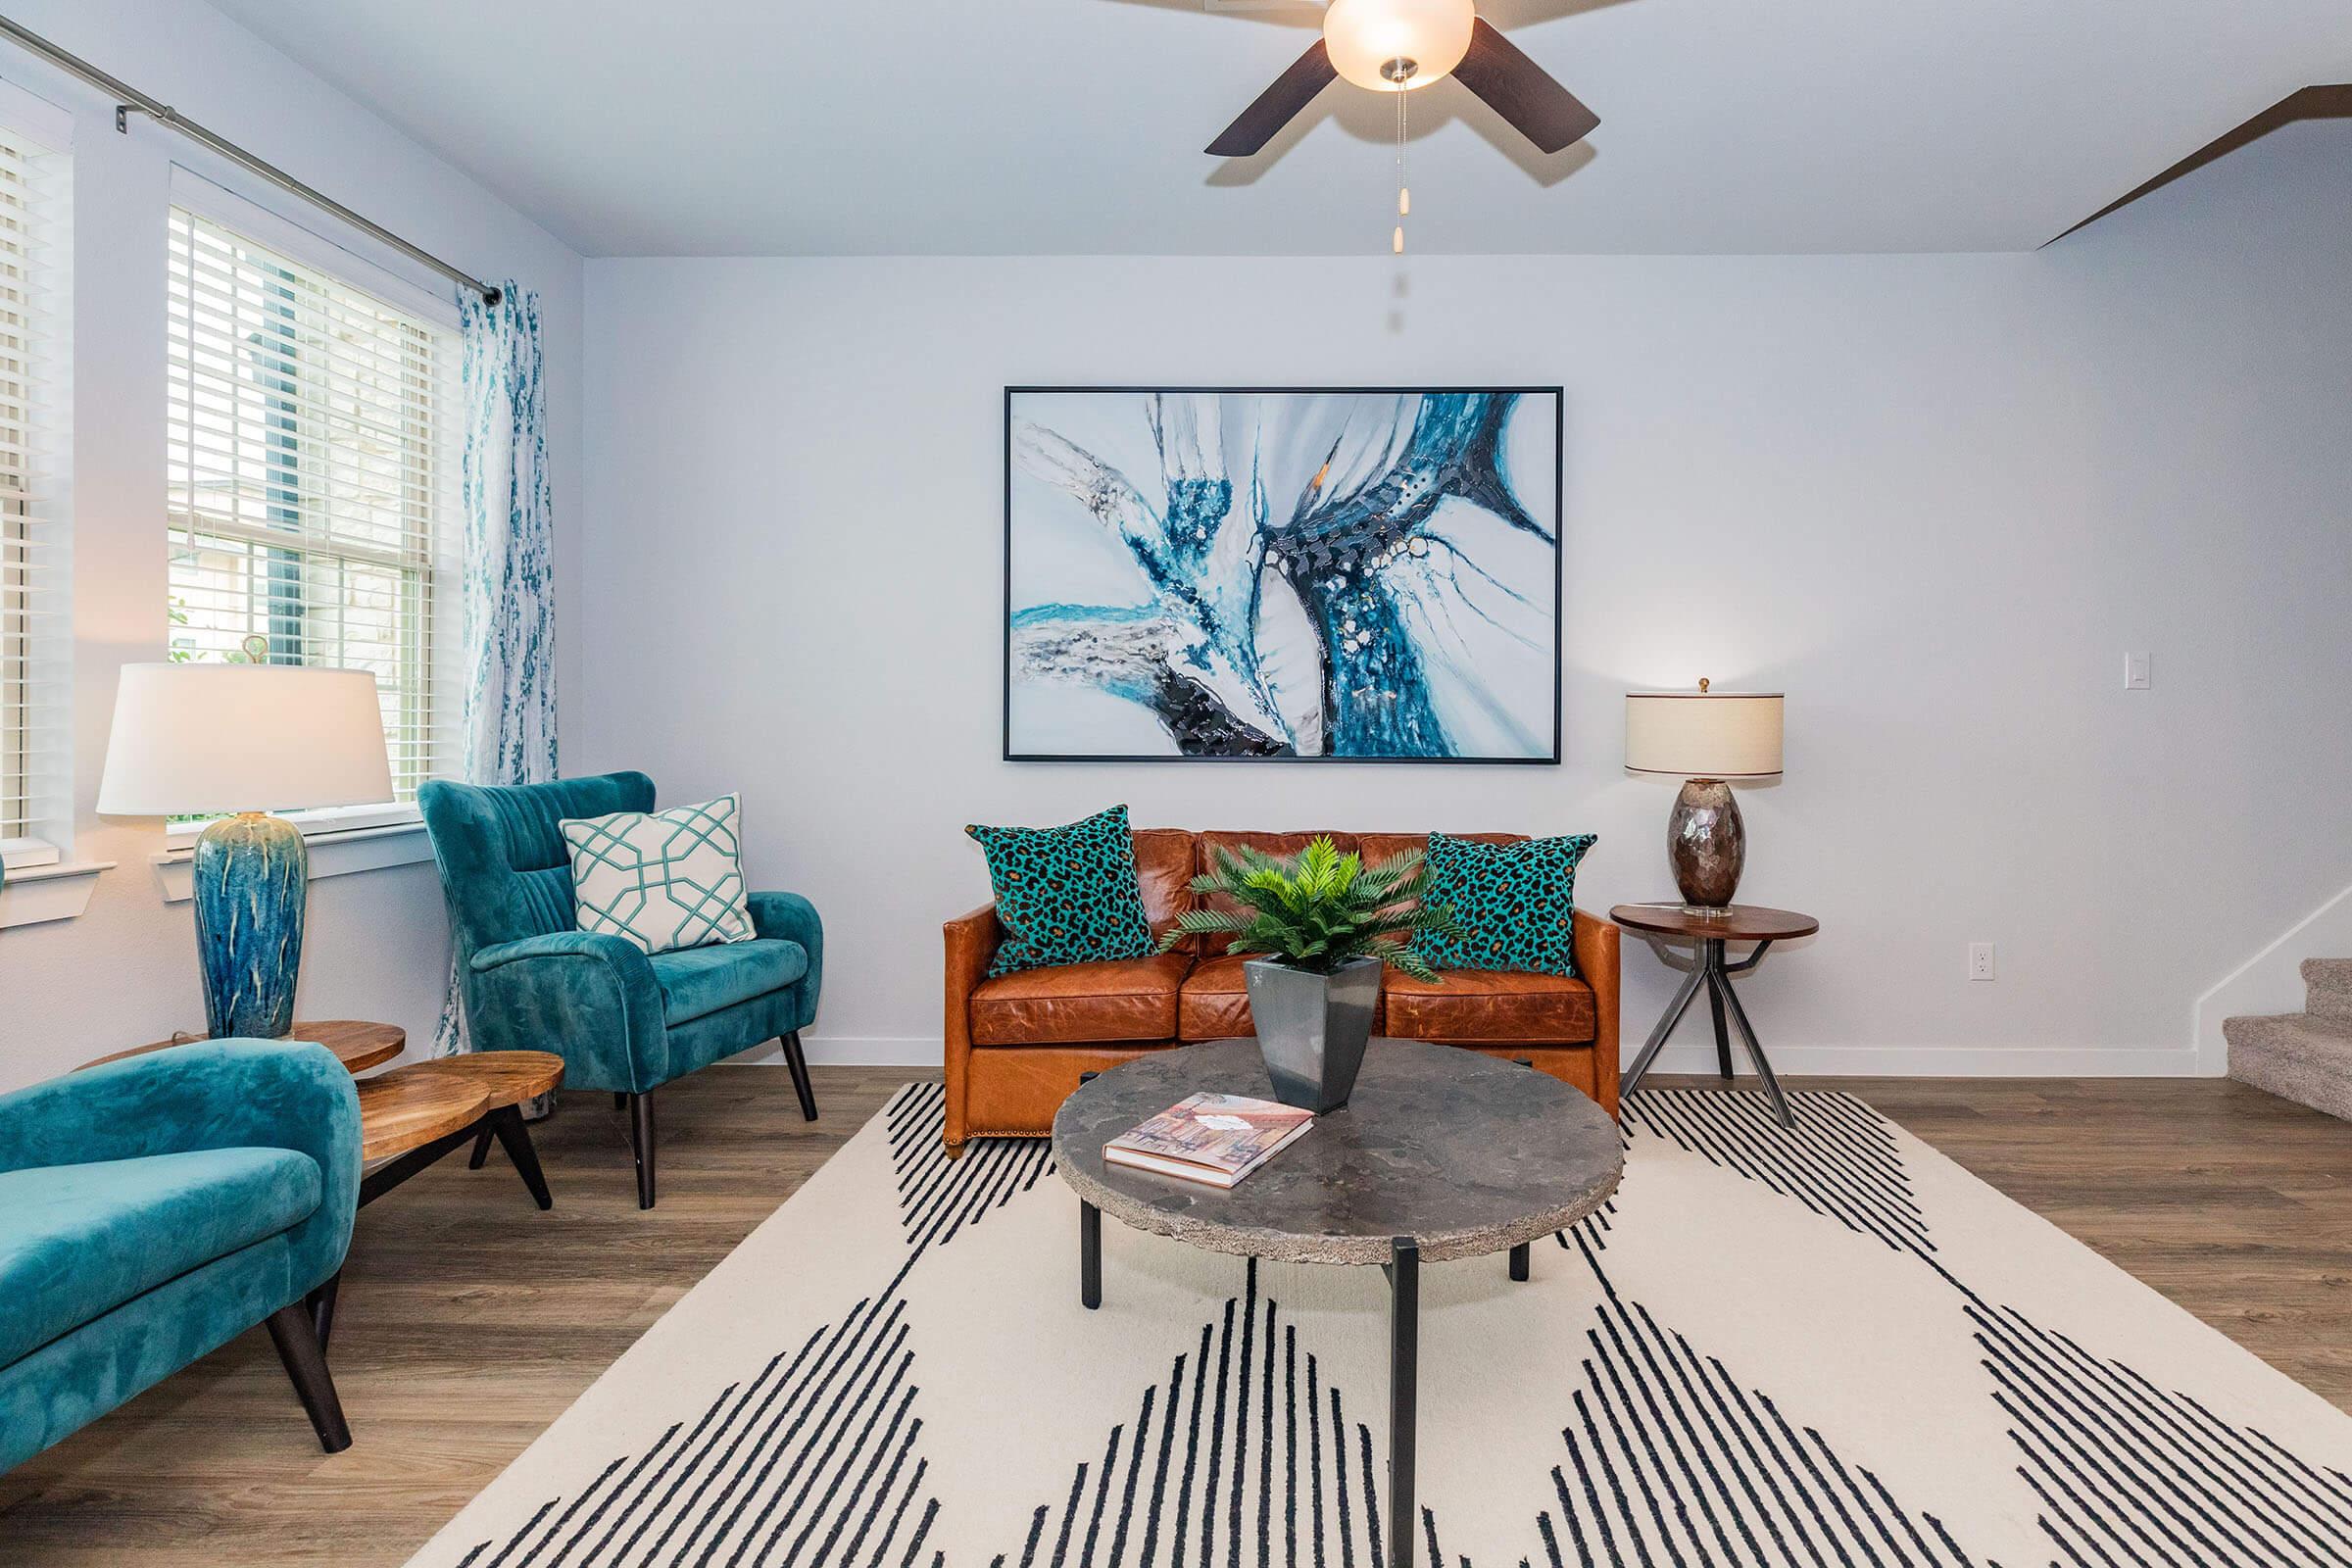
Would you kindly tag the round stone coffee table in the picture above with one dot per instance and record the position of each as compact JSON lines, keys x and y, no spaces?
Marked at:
{"x":1439,"y":1153}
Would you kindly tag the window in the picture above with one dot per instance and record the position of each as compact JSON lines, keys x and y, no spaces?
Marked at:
{"x":312,"y":484}
{"x":35,"y":642}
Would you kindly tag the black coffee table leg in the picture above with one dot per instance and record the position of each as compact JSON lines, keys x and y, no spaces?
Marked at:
{"x":1090,"y":1255}
{"x":1519,"y":1261}
{"x":1404,"y":1374}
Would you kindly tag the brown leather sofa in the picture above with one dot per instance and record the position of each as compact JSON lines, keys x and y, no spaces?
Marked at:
{"x":1016,"y":1045}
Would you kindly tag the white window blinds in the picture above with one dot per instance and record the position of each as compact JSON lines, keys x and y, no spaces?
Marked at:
{"x":312,"y":490}
{"x":35,"y":636}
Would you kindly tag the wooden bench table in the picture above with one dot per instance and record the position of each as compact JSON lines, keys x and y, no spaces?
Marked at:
{"x":412,"y":1114}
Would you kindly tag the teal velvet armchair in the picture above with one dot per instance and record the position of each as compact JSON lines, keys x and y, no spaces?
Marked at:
{"x":155,"y":1208}
{"x":621,"y":1019}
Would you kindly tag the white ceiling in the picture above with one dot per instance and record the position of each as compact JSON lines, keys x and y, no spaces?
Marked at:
{"x":1050,"y":126}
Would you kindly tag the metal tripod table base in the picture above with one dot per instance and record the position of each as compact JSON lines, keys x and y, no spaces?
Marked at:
{"x":1715,"y":976}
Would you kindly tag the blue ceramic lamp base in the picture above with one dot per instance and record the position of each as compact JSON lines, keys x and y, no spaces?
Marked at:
{"x":252,"y":876}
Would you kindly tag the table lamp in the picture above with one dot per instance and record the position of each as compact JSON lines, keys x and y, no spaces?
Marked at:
{"x":193,"y":740}
{"x":1706,"y":738}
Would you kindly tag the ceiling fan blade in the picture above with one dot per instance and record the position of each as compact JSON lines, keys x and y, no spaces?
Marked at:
{"x":1277,"y":106}
{"x":1522,"y":91}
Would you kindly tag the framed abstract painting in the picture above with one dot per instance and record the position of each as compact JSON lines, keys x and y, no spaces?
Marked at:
{"x":1282,"y":573}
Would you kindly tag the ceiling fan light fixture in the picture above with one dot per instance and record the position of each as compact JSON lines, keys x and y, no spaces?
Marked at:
{"x":1397,"y":45}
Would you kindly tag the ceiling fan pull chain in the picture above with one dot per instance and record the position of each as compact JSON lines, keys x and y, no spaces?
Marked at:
{"x":1405,"y":195}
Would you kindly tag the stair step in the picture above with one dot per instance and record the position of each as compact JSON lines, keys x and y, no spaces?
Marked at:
{"x":2296,"y":1057}
{"x":2328,"y":987}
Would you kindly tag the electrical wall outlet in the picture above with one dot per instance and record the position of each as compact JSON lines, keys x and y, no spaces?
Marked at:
{"x":2135,"y":672}
{"x":1979,"y":961}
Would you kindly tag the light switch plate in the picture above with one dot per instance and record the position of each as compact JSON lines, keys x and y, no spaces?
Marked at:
{"x":2135,"y":672}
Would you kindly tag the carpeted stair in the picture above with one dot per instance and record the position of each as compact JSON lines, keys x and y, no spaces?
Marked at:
{"x":2305,"y":1056}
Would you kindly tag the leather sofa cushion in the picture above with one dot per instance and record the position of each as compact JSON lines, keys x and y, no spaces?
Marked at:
{"x":1118,"y":998}
{"x":1487,"y":1006}
{"x":1163,"y":873}
{"x":78,"y":1241}
{"x":1214,"y":1003}
{"x":698,"y":981}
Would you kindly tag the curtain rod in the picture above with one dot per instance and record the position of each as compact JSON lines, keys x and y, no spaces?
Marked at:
{"x":128,"y":100}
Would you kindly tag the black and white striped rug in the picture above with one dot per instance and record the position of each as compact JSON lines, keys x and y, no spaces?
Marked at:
{"x":1829,"y":1348}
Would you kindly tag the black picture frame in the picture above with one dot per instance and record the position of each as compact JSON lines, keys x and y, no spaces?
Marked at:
{"x":1557,"y":392}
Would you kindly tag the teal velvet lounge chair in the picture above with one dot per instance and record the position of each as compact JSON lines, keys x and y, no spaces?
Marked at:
{"x":155,"y":1208}
{"x":619,"y":1020}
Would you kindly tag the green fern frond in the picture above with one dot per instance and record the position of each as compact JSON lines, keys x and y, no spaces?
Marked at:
{"x":1206,"y":922}
{"x":1439,"y":919}
{"x":1317,"y":910}
{"x":1408,"y":960}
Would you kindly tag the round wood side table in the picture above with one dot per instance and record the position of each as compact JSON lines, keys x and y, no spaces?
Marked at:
{"x":357,"y":1043}
{"x":1710,"y":931}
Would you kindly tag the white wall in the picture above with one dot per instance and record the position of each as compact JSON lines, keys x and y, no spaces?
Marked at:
{"x":1935,"y":498}
{"x":126,"y":971}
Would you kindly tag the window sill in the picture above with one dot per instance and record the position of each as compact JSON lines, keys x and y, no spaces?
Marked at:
{"x":43,"y":892}
{"x":332,"y":853}
{"x":337,"y":820}
{"x":28,"y":855}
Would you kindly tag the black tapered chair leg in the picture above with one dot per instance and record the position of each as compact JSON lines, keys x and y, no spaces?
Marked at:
{"x":321,"y":1304}
{"x":797,"y":1061}
{"x":641,"y":1140}
{"x":516,"y":1138}
{"x":620,"y":1100}
{"x":298,"y":1346}
{"x":481,"y":1151}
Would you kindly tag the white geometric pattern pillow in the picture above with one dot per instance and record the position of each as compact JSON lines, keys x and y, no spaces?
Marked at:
{"x":663,"y":879}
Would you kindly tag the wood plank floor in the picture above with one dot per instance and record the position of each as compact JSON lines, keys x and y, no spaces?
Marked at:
{"x":470,"y":1320}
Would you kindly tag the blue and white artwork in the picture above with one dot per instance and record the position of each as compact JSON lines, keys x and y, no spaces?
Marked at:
{"x":1330,"y":576}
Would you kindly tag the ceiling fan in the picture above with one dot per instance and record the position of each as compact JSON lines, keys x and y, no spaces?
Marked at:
{"x":1399,"y":45}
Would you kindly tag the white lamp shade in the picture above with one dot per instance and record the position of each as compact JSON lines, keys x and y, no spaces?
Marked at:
{"x":193,"y":740}
{"x":1363,"y":35}
{"x":1703,"y":734}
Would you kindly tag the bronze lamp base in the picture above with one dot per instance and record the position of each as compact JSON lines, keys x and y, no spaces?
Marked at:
{"x":1708,"y":844}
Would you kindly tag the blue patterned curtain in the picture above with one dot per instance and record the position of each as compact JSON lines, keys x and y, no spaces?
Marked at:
{"x":509,"y":714}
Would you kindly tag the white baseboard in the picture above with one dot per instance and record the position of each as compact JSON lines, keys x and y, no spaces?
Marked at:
{"x":1843,"y":1061}
{"x":852,"y":1050}
{"x":1938,"y":1062}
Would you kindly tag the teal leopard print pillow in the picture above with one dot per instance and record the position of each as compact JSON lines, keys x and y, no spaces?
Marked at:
{"x":1065,"y":894}
{"x":1515,"y":902}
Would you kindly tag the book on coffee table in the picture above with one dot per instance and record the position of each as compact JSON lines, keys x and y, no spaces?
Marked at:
{"x":1213,"y":1139}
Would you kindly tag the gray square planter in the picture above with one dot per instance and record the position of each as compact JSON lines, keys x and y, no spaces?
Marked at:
{"x":1313,"y":1028}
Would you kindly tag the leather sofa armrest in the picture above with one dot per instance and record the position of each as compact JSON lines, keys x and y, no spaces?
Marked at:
{"x":1596,"y":940}
{"x":971,"y":942}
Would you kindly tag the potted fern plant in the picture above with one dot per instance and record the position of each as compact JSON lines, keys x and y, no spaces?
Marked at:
{"x":1325,"y":922}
